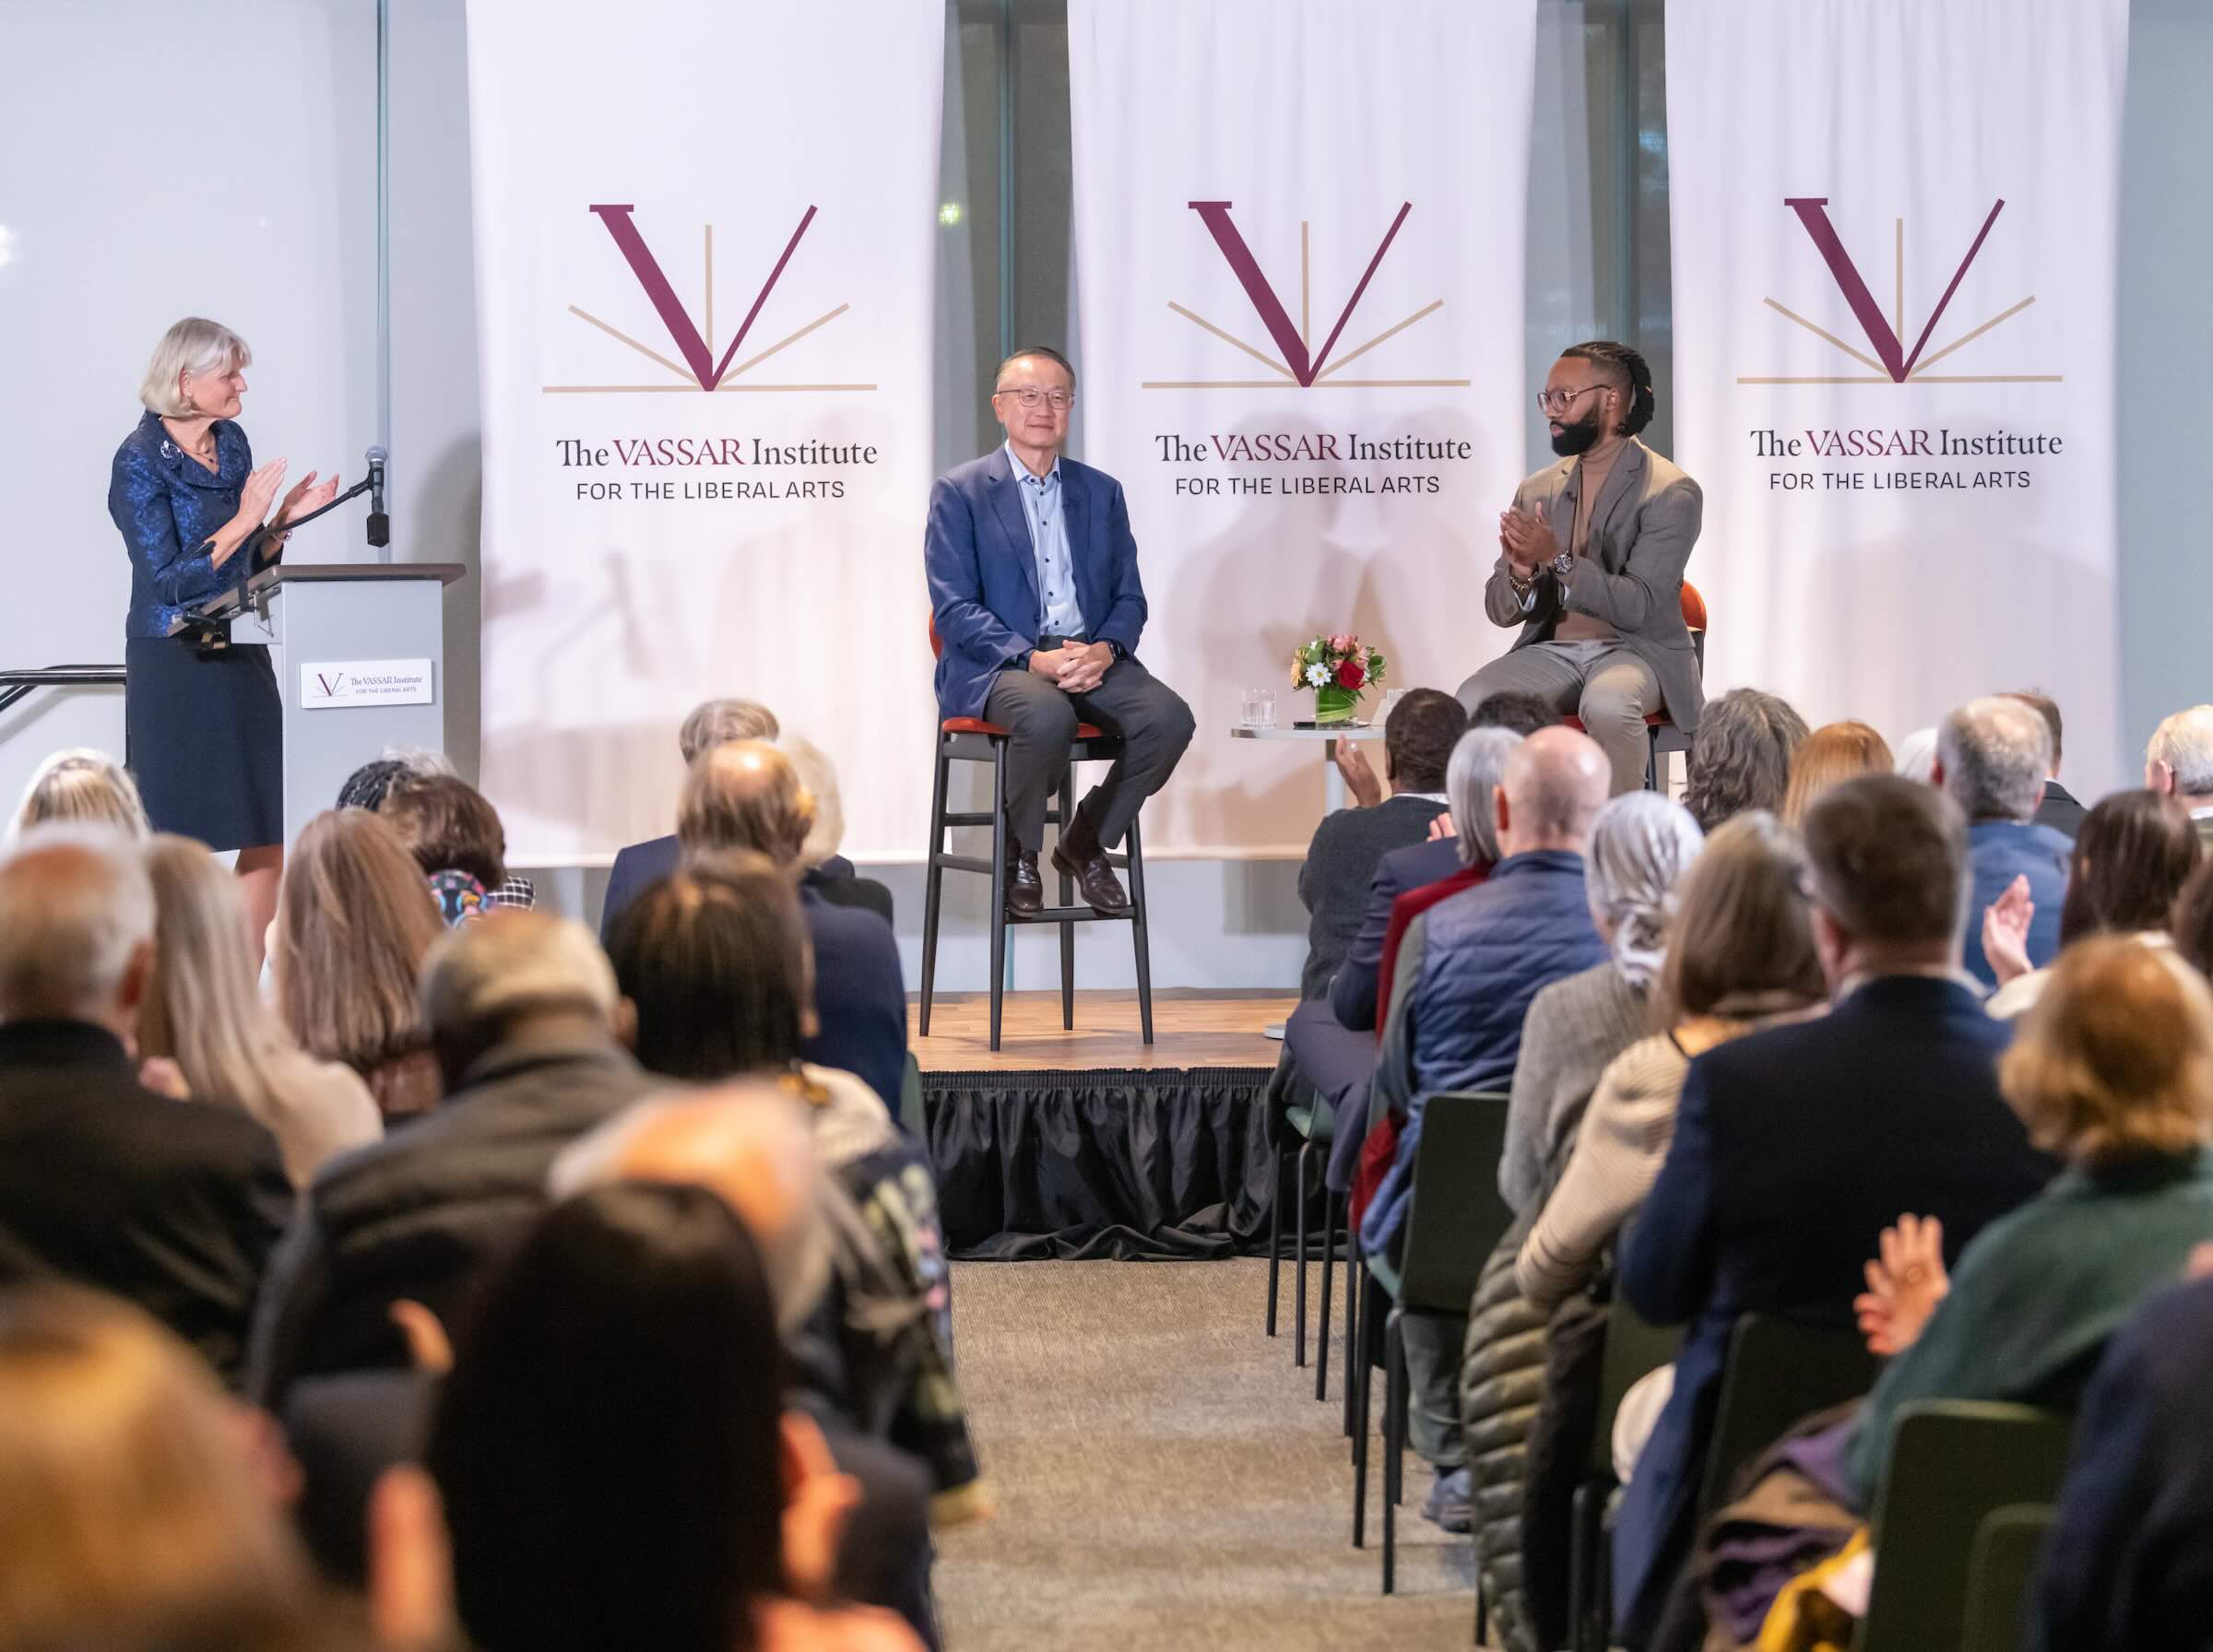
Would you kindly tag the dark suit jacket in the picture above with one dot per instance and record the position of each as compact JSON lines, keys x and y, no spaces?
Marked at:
{"x":1340,"y":865}
{"x":172,"y":1205}
{"x":983,"y":572}
{"x":1794,"y":1149}
{"x":641,"y":865}
{"x":2133,"y":1546}
{"x":859,"y":994}
{"x":2060,"y":811}
{"x":1353,"y":992}
{"x":1642,"y":529}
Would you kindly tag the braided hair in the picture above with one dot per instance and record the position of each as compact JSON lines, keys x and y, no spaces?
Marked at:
{"x":1619,"y":361}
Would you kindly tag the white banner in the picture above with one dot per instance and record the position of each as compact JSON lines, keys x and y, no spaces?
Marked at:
{"x":704,"y":278}
{"x":1893,"y":227}
{"x":1299,"y":269}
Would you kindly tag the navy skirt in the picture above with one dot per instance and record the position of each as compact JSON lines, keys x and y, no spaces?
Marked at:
{"x":204,"y":735}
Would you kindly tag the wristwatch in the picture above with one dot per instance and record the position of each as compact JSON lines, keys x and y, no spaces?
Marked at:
{"x":1563,"y":564}
{"x":1113,"y":647}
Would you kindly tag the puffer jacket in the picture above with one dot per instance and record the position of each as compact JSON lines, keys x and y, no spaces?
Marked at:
{"x":1466,"y":971}
{"x":1501,"y":1381}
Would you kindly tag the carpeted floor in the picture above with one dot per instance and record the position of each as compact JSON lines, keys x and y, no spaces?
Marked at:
{"x":1167,"y":1479}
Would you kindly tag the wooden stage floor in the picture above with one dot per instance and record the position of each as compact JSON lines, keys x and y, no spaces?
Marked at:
{"x":1190,"y":1028}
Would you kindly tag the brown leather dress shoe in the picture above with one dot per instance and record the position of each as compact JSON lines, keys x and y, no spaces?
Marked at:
{"x":1025,"y":890}
{"x":1095,"y":882}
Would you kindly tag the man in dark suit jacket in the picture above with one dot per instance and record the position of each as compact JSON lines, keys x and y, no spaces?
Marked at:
{"x":527,"y":1026}
{"x":1795,"y":1147}
{"x":2060,"y":808}
{"x":172,"y":1205}
{"x":1034,"y":588}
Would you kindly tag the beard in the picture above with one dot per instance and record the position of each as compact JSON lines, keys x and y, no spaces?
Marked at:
{"x":1578,"y":438}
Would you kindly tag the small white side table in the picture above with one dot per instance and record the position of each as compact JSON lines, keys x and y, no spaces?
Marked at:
{"x":1332,"y":782}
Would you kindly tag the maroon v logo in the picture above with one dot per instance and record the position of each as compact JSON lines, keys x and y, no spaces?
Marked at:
{"x":1812,"y":212}
{"x":674,"y":316}
{"x":1215,"y":215}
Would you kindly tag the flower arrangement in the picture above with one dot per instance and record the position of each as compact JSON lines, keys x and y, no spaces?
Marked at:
{"x":1337,"y":668}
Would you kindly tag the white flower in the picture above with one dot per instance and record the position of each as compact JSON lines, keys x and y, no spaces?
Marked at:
{"x":1317,"y":676}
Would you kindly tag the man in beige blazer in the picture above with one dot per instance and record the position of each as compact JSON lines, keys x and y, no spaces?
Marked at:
{"x":1590,"y":566}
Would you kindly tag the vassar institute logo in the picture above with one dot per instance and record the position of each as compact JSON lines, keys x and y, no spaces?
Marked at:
{"x":703,"y":366}
{"x":1294,"y":362}
{"x":1890,"y":362}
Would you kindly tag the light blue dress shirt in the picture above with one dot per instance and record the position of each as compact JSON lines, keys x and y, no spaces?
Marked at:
{"x":1042,"y":499}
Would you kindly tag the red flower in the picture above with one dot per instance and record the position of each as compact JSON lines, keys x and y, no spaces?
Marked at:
{"x":1352,"y":673}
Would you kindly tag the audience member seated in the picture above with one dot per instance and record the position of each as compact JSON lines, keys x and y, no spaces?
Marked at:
{"x":132,"y":1492}
{"x":1795,"y":1145}
{"x":2112,"y":1072}
{"x":1916,"y":757}
{"x":527,"y":1029}
{"x":713,"y":960}
{"x":827,"y":872}
{"x":847,"y":1318}
{"x":2192,"y":923}
{"x":744,"y":795}
{"x":354,"y":923}
{"x":81,"y":785}
{"x":2130,"y":1561}
{"x":1466,"y":971}
{"x":615,"y":1461}
{"x":102,"y":1181}
{"x":455,"y":837}
{"x":712,"y":723}
{"x":1339,"y":1062}
{"x":1740,"y":757}
{"x":2132,"y":856}
{"x":2059,"y":809}
{"x":204,"y":1023}
{"x":1353,"y":991}
{"x":369,"y":786}
{"x":1740,"y":956}
{"x":1833,"y":752}
{"x":2179,"y":760}
{"x":1640,"y":846}
{"x":1992,"y":756}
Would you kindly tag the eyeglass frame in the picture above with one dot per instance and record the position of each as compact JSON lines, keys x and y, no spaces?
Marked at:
{"x":1029,"y":396}
{"x":1567,"y":397}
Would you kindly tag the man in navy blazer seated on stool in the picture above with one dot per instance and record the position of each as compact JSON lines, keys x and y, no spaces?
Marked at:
{"x":1034,"y":585}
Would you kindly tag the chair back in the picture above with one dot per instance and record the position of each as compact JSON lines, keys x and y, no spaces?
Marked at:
{"x":1694,"y":617}
{"x":1952,"y":1463}
{"x":2000,"y":1572}
{"x":936,"y":644}
{"x":1633,"y":1350}
{"x":1778,"y":1372}
{"x":1453,"y":1230}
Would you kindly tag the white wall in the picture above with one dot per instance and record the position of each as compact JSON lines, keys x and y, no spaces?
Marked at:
{"x":266,"y":222}
{"x":166,"y":160}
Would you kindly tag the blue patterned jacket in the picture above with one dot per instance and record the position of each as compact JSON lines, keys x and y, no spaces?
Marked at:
{"x":168,"y":508}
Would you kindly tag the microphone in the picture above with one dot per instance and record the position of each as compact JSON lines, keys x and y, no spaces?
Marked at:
{"x":380,"y":525}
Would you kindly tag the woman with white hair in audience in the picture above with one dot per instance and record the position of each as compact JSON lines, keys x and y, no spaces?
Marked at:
{"x":1640,"y":846}
{"x":81,"y":784}
{"x":823,"y":869}
{"x":203,"y":1021}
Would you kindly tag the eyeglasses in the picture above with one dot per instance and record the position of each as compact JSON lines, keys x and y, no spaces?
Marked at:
{"x":1030,"y":396}
{"x":1560,"y":401}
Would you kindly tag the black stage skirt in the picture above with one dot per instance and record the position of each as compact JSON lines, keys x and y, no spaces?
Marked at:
{"x":204,"y":734}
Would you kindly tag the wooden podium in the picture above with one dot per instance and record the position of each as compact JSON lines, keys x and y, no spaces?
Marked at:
{"x":360,"y":651}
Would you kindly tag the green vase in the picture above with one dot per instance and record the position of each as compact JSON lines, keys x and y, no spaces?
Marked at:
{"x":1334,"y":704}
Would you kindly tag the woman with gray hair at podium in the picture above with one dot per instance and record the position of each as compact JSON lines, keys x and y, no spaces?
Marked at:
{"x":201,"y":719}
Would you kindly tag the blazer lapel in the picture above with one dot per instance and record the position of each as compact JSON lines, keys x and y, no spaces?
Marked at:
{"x":1075,"y":516}
{"x":1622,"y":483}
{"x":1015,"y":525}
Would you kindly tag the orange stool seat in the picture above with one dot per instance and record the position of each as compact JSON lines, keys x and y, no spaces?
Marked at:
{"x":1085,"y":731}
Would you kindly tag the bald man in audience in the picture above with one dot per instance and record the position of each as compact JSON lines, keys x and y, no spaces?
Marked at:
{"x":172,"y":1205}
{"x":1466,"y":971}
{"x":712,"y":723}
{"x":747,"y":1142}
{"x":747,"y":795}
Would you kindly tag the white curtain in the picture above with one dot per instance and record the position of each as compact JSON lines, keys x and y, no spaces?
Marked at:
{"x":1893,"y":227}
{"x":704,"y":265}
{"x":1299,"y":252}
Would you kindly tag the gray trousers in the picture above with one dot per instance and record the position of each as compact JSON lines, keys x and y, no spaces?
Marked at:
{"x":1607,"y":686}
{"x":1155,"y":725}
{"x":1433,"y":1344}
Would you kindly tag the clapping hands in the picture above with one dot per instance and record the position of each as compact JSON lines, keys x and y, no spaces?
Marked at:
{"x":1905,"y":1282}
{"x":2005,"y":931}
